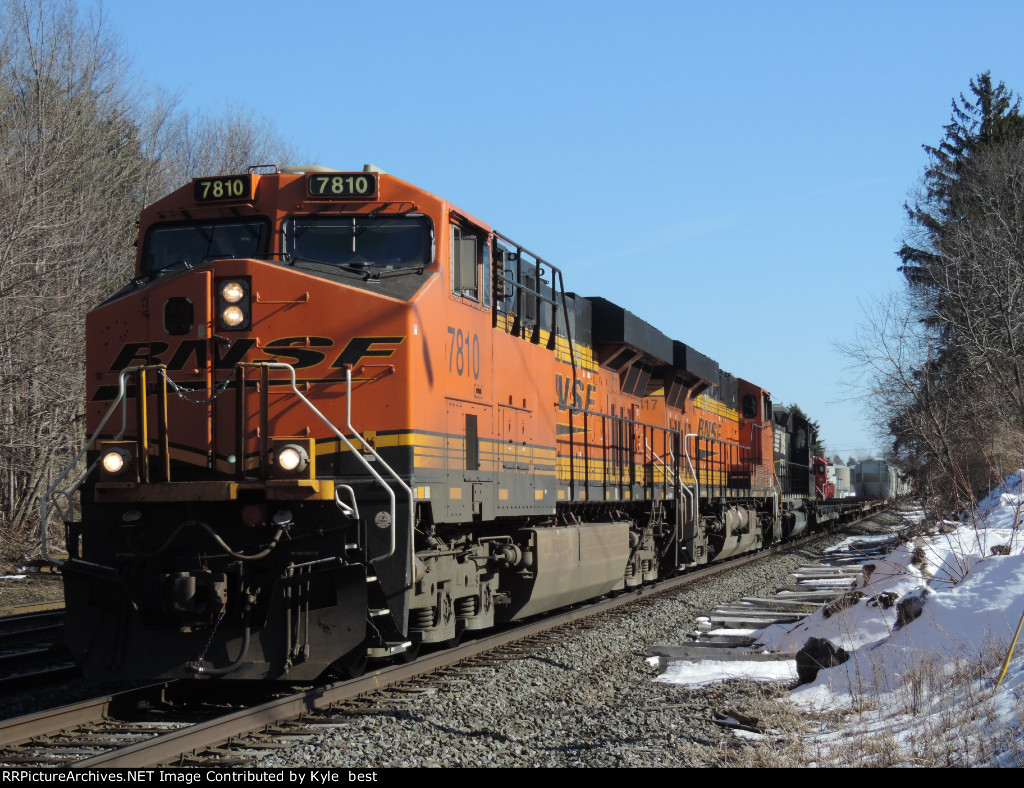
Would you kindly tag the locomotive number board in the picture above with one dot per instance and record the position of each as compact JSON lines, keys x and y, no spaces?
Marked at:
{"x":342,"y":185}
{"x":224,"y":187}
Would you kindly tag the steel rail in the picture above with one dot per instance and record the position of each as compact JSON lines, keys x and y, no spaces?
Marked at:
{"x":24,"y":610}
{"x":32,"y":628}
{"x":45,"y":723}
{"x":40,"y":675}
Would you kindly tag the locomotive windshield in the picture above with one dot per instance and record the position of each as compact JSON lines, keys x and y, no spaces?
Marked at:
{"x":190,"y":244}
{"x":360,"y":242}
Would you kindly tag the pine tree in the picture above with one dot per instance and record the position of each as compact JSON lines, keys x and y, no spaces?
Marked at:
{"x":963,"y":259}
{"x":992,"y":118}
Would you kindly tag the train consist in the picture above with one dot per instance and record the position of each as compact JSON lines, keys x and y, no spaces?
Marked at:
{"x":334,"y":418}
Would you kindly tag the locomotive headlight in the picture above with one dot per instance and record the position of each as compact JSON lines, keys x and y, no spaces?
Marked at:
{"x":115,"y":460}
{"x":292,"y":458}
{"x":233,"y":307}
{"x":232,"y":317}
{"x":232,"y":291}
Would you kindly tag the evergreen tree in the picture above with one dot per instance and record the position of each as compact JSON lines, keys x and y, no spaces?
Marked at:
{"x":963,"y":259}
{"x":993,"y":117}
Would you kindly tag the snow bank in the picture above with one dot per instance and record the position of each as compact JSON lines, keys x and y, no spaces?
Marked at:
{"x":919,"y":671}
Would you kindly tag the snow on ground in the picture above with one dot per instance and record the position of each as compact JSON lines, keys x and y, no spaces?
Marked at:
{"x":707,"y":671}
{"x":928,"y":685}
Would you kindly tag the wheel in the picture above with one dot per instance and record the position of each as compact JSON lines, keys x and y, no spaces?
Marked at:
{"x":460,"y":630}
{"x":354,"y":664}
{"x":412,"y":653}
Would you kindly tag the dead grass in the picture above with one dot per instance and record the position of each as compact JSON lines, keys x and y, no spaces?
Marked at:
{"x":15,"y":549}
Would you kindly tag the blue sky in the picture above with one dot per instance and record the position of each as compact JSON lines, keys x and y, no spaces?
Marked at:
{"x":733,"y":173}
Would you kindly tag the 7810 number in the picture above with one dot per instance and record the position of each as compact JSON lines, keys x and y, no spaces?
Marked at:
{"x":230,"y":188}
{"x":342,"y":185}
{"x":464,"y":353}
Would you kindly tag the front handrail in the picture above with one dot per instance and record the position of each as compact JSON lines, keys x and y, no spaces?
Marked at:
{"x":52,"y":491}
{"x":395,"y":476}
{"x":121,"y":401}
{"x":356,"y":453}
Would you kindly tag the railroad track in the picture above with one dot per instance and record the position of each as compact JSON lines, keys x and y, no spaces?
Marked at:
{"x":165,"y":724}
{"x":37,"y":607}
{"x":32,"y":648}
{"x":730,"y":632}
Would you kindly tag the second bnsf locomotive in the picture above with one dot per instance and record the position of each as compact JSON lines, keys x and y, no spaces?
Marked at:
{"x":334,"y":417}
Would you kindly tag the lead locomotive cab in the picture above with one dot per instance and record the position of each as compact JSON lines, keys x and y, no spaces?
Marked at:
{"x":234,"y":521}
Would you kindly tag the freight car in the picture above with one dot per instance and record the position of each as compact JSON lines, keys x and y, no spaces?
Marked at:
{"x":334,"y":417}
{"x":878,"y":479}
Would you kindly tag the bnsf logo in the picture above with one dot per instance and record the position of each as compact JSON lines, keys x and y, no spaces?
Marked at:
{"x":709,"y":429}
{"x":300,"y":352}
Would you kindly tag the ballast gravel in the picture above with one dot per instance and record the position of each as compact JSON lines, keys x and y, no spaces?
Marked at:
{"x":587,"y":700}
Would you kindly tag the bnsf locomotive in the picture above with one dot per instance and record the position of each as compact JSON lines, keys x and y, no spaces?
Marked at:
{"x":333,"y":418}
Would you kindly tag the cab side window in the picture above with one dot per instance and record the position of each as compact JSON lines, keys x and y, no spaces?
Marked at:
{"x":749,"y":406}
{"x":470,"y":252}
{"x":465,"y":262}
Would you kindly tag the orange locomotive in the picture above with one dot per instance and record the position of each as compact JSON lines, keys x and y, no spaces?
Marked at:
{"x":333,"y":418}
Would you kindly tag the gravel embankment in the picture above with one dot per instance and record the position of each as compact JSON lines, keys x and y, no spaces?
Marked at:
{"x":588,"y":701}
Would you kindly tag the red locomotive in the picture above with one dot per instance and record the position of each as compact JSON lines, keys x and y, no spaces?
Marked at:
{"x":333,"y":417}
{"x":824,"y":478}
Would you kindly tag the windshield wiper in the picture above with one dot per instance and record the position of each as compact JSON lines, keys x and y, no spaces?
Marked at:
{"x":359,"y":269}
{"x":363,"y":269}
{"x":149,"y":275}
{"x":392,"y":271}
